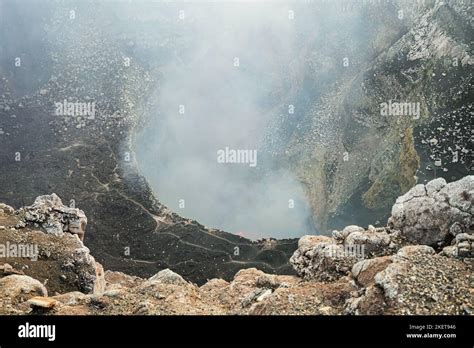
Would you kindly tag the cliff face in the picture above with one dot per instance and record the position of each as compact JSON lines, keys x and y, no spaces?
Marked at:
{"x":353,"y":162}
{"x":354,"y":157}
{"x":403,"y":268}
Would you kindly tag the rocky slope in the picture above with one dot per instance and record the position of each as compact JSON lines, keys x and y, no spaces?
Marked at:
{"x":386,"y":270}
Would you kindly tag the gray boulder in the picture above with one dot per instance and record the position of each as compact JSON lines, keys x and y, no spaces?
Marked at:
{"x":49,"y":213}
{"x":322,"y":259}
{"x":373,"y":240}
{"x":433,"y":214}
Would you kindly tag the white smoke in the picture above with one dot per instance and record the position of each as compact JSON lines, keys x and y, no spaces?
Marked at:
{"x":234,"y":57}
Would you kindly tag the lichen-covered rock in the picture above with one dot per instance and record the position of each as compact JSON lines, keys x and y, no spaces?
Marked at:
{"x":325,"y":260}
{"x":373,"y":240}
{"x":49,"y":213}
{"x":309,"y":241}
{"x":341,"y":235}
{"x":407,"y":251}
{"x":434,"y":213}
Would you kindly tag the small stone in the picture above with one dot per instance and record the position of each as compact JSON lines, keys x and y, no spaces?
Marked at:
{"x":167,"y":276}
{"x":43,"y":302}
{"x":264,"y":295}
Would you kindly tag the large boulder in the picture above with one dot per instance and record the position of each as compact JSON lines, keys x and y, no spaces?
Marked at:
{"x":325,"y":258}
{"x":50,"y":214}
{"x":322,"y":259}
{"x":33,"y":242}
{"x":433,"y":214}
{"x":374,"y":241}
{"x":342,"y":235}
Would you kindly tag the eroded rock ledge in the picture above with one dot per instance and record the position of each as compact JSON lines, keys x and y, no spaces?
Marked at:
{"x":420,"y":263}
